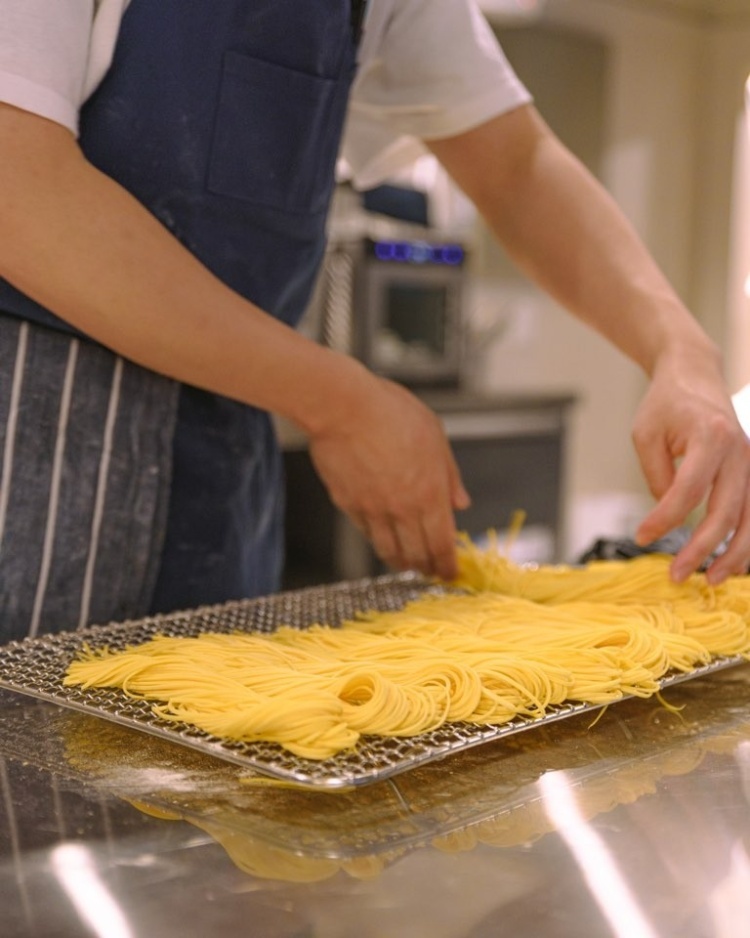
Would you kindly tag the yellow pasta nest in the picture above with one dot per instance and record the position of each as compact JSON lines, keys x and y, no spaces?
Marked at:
{"x":517,"y":641}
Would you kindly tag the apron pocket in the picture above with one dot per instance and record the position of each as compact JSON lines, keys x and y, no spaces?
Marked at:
{"x":276,"y":138}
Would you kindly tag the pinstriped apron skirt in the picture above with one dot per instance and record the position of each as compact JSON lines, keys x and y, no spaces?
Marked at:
{"x":86,"y":449}
{"x":124,"y":493}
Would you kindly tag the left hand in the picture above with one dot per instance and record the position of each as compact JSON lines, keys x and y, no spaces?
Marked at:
{"x":692,"y":449}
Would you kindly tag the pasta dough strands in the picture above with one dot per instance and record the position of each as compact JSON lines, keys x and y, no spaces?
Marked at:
{"x":520,"y":641}
{"x":643,"y":579}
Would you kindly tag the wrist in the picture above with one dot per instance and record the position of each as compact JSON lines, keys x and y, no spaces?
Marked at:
{"x":336,"y":391}
{"x":692,"y":355}
{"x":673,"y":338}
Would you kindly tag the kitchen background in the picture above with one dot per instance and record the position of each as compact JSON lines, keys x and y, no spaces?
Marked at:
{"x":649,"y":93}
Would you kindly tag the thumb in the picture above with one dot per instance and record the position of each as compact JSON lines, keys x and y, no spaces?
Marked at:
{"x":460,"y":498}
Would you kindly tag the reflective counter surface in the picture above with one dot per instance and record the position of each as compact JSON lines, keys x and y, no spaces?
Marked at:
{"x":633,"y":823}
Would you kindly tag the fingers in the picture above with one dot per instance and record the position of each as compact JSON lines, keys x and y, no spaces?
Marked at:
{"x":684,"y":492}
{"x":423,"y":542}
{"x":727,"y":478}
{"x":727,"y":517}
{"x":410,"y":547}
{"x":734,"y":561}
{"x":388,"y":465}
{"x":693,"y":452}
{"x":658,"y":468}
{"x":442,"y":539}
{"x":460,"y":498}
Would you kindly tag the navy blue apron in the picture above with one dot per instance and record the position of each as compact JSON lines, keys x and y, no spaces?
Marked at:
{"x":224,"y":117}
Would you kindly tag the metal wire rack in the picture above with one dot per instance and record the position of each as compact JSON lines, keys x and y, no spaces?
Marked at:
{"x":37,"y":667}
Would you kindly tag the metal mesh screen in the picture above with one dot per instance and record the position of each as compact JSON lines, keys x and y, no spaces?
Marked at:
{"x":38,"y":666}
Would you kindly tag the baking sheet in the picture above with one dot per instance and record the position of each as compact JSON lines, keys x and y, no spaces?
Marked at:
{"x":37,"y":667}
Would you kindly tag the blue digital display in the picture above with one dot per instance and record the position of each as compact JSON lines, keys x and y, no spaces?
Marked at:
{"x":418,"y":252}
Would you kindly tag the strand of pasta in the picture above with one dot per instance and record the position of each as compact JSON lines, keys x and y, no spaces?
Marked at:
{"x":641,"y":579}
{"x":482,"y":657}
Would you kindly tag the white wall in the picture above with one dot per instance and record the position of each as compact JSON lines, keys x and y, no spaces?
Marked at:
{"x":668,"y":140}
{"x":721,"y":257}
{"x":737,"y":334}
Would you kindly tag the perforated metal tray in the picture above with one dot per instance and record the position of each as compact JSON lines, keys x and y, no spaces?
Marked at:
{"x":37,"y":667}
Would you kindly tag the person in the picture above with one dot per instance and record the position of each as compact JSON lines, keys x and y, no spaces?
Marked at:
{"x":166,"y":167}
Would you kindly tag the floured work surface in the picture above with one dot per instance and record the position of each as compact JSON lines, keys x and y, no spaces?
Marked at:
{"x":38,"y":667}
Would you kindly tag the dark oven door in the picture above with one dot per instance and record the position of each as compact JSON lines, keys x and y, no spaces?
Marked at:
{"x":409,"y":317}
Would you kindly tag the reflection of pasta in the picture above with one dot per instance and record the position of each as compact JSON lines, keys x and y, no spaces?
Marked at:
{"x":261,"y":859}
{"x":521,"y":825}
{"x":529,"y":822}
{"x":521,"y":641}
{"x":278,"y":831}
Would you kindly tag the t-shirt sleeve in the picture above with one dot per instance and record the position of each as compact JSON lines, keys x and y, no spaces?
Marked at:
{"x":44,"y":51}
{"x":432,"y":69}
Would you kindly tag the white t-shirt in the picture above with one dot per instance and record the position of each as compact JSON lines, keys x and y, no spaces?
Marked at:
{"x":428,"y":69}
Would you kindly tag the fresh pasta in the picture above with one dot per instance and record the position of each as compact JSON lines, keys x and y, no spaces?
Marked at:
{"x":514,"y":642}
{"x":643,"y":579}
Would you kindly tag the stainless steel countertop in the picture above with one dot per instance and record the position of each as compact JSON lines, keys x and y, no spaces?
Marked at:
{"x":637,"y":826}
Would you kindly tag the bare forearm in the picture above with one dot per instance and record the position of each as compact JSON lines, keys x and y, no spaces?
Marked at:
{"x":561,"y":227}
{"x":78,"y":243}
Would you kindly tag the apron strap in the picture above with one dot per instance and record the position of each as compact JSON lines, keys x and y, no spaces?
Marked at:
{"x":359,"y":8}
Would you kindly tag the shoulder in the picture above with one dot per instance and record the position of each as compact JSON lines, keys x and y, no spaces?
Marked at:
{"x":437,"y":32}
{"x":421,"y":59}
{"x":54,"y":52}
{"x":432,"y":68}
{"x":428,"y":69}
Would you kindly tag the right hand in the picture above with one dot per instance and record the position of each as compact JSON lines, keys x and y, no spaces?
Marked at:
{"x":387,"y":464}
{"x":693,"y":452}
